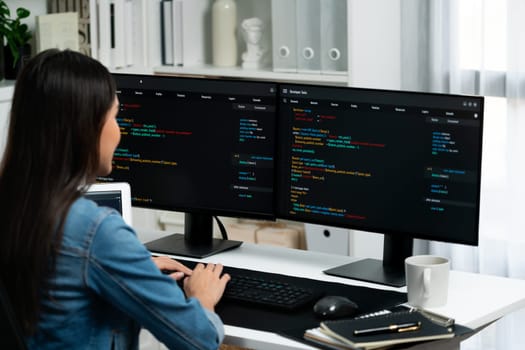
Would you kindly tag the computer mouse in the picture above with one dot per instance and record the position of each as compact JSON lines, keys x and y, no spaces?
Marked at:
{"x":335,"y":306}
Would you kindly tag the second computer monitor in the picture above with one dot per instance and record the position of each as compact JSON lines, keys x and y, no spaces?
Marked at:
{"x":401,"y":163}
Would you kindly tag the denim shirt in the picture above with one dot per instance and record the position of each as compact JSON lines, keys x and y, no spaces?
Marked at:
{"x":106,"y":287}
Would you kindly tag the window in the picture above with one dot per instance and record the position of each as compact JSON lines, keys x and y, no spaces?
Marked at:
{"x":482,"y":58}
{"x":482,"y":35}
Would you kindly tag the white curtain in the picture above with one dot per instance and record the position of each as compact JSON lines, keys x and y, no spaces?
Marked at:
{"x":432,"y":56}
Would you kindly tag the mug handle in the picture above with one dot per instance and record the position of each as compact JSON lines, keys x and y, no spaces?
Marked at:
{"x":426,"y":282}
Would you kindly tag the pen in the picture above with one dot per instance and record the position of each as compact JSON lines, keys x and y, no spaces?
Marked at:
{"x":393,"y":328}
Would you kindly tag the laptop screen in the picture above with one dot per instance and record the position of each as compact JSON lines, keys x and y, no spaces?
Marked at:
{"x":111,"y":199}
{"x":116,"y":195}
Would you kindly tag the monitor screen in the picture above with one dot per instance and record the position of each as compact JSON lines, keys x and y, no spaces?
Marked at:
{"x":400,"y":163}
{"x":200,"y":146}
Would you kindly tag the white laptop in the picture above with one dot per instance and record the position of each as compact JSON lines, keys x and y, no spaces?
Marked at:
{"x":116,"y":195}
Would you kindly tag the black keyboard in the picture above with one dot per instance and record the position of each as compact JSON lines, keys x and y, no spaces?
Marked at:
{"x":261,"y":291}
{"x":256,"y":288}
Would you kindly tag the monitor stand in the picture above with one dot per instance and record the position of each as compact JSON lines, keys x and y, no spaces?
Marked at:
{"x":197,"y":241}
{"x":390,"y":271}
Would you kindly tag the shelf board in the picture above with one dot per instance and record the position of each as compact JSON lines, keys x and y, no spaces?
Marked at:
{"x":261,"y":74}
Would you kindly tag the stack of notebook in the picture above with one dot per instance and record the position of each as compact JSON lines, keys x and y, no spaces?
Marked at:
{"x":380,"y":331}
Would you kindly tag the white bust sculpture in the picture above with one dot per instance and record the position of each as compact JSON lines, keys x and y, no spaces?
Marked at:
{"x":252,"y":29}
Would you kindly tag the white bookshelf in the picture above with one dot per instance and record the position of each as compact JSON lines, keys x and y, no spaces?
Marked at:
{"x":371,"y":63}
{"x":146,"y":41}
{"x":147,"y":44}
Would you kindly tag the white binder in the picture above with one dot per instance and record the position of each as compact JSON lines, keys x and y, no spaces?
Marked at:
{"x":196,"y":39}
{"x":118,"y":49}
{"x":167,"y":31}
{"x":128,"y":36}
{"x":178,"y":34}
{"x":284,"y":39}
{"x":334,"y":51}
{"x":93,"y":33}
{"x":308,"y":36}
{"x":104,"y":31}
{"x":148,"y":47}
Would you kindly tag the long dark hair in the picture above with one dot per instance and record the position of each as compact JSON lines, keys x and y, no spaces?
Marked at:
{"x":59,"y":106}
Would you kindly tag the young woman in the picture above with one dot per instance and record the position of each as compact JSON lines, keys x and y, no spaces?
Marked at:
{"x":76,"y":274}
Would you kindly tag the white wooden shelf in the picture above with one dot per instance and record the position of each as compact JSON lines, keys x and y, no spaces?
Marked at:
{"x":261,"y":74}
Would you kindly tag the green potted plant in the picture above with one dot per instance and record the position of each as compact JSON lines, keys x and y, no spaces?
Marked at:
{"x":17,"y":36}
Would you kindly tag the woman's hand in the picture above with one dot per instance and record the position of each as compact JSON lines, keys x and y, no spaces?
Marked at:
{"x":178,"y":270}
{"x":206,"y":284}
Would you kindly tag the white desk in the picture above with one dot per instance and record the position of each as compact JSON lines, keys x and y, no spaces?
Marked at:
{"x":474,"y":300}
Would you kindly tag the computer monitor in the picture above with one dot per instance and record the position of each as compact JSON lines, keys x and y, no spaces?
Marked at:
{"x":404,"y":164}
{"x":204,"y":147}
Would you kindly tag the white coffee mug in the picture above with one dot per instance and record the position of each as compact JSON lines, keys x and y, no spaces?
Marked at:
{"x":427,"y":280}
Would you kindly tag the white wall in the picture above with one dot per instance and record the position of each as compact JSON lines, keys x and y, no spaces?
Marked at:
{"x":36,"y":7}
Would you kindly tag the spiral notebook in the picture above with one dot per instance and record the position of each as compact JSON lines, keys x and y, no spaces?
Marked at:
{"x":376,"y":332}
